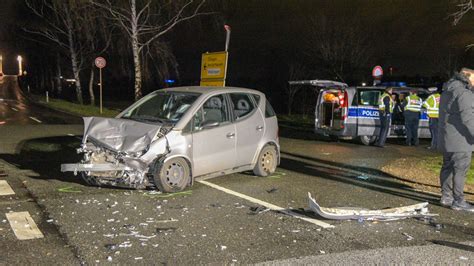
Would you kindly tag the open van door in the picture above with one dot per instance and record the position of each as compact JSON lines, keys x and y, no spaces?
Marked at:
{"x":332,"y":104}
{"x":331,"y":109}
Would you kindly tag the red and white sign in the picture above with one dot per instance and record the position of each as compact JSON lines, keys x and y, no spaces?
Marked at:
{"x":377,"y":72}
{"x":100,"y":62}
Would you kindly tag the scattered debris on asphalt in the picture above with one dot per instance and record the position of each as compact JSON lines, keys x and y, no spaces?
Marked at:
{"x":432,"y":221}
{"x":152,"y":194}
{"x":409,"y":237}
{"x":272,"y":190}
{"x":348,"y":213}
{"x":166,"y":229}
{"x":258,"y":210}
{"x":363,"y":177}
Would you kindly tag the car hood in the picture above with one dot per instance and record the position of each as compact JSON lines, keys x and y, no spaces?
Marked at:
{"x":121,"y":135}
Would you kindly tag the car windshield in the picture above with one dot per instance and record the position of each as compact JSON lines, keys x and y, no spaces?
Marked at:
{"x":162,"y":107}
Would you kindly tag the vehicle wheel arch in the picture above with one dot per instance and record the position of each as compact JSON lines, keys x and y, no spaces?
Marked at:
{"x":272,"y":143}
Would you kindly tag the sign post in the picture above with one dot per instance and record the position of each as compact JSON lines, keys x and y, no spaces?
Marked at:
{"x":100,"y":63}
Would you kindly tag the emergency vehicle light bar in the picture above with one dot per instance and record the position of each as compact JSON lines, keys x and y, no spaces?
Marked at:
{"x":318,"y":83}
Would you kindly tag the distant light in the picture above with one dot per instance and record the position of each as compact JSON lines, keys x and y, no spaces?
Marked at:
{"x":19,"y":58}
{"x":70,"y":80}
{"x":170,"y":81}
{"x":364,"y":84}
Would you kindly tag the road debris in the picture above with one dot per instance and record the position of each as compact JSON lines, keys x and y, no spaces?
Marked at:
{"x":258,"y":210}
{"x":363,"y":177}
{"x":348,"y":213}
{"x":166,"y":229}
{"x":167,"y":195}
{"x":409,"y":237}
{"x":272,"y":190}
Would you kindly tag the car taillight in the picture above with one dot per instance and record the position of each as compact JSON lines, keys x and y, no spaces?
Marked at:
{"x":344,"y":103}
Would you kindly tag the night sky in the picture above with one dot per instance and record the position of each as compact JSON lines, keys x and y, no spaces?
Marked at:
{"x":416,"y":38}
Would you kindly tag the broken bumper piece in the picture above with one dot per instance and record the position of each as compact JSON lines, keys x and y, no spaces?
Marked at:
{"x":350,"y":213}
{"x":104,"y":167}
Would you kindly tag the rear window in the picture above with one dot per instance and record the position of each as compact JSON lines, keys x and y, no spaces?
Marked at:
{"x":269,"y":112}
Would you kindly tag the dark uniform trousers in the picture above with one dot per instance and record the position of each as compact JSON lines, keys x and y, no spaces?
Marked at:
{"x":453,"y":174}
{"x":411,"y":126}
{"x":384,"y":127}
{"x":434,"y":132}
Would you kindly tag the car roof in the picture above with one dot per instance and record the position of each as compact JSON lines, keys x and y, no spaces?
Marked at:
{"x":207,"y":89}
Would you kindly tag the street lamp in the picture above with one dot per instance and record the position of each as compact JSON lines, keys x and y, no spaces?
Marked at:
{"x":20,"y":68}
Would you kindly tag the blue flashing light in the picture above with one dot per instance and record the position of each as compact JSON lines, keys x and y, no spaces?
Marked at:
{"x":170,"y":81}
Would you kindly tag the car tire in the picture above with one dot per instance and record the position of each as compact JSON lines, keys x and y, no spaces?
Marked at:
{"x":368,"y":140}
{"x":267,"y":161}
{"x":90,"y":180}
{"x":172,"y":176}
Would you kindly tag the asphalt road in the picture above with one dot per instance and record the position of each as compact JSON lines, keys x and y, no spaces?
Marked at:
{"x":15,"y":109}
{"x":203,"y":225}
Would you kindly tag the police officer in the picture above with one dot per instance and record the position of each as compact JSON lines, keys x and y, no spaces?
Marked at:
{"x":385,"y":115}
{"x":432,"y":109}
{"x":412,"y":117}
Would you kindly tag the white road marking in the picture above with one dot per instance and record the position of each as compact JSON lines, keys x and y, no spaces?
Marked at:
{"x":35,"y":119}
{"x":5,"y":188}
{"x":23,"y":225}
{"x":268,"y":205}
{"x":14,"y":109}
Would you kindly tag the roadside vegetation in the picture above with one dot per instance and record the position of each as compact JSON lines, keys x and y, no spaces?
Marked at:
{"x":434,"y":164}
{"x":77,"y":109}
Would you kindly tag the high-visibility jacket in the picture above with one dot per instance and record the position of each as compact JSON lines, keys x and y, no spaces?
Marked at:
{"x":413,"y":103}
{"x":432,"y":105}
{"x":381,"y":103}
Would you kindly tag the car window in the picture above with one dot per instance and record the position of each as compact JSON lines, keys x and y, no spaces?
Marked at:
{"x":242,"y":104}
{"x":162,"y":106}
{"x":369,"y":97}
{"x":214,"y":110}
{"x":269,"y":112}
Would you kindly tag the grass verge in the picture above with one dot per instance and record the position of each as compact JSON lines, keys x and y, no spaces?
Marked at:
{"x":434,"y":164}
{"x":78,"y":109}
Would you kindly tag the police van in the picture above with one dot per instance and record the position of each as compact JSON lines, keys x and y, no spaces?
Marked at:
{"x":353,"y":112}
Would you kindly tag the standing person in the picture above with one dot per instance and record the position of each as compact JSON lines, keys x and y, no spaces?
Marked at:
{"x":412,"y":117}
{"x":385,"y":115}
{"x":456,"y":138}
{"x":432,"y":109}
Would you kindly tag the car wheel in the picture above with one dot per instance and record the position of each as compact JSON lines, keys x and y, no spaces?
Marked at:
{"x":90,"y":180}
{"x":173,"y":175}
{"x":267,"y":161}
{"x":367,"y":140}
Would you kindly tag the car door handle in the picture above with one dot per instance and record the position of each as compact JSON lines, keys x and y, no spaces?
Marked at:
{"x":259,"y":128}
{"x":230,"y":135}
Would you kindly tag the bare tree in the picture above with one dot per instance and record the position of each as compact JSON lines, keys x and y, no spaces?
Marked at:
{"x":146,"y":22}
{"x":464,"y":7}
{"x":97,"y":39}
{"x":296,"y":71}
{"x":338,"y":45}
{"x":59,"y":17}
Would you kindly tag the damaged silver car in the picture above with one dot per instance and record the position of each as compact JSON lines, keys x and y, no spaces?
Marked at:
{"x":173,"y":136}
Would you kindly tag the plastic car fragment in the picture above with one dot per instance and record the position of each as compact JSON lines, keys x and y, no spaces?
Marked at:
{"x":349,"y":213}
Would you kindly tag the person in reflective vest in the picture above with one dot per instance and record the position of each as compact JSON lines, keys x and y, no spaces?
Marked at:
{"x":385,"y":115}
{"x":412,"y":117}
{"x":432,"y":109}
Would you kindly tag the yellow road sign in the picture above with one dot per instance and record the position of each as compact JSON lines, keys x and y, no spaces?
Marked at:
{"x":213,"y":65}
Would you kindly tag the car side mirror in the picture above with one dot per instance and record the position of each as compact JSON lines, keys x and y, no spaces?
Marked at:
{"x":209,"y":124}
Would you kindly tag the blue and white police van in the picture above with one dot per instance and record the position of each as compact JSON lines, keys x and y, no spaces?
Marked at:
{"x":353,"y":112}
